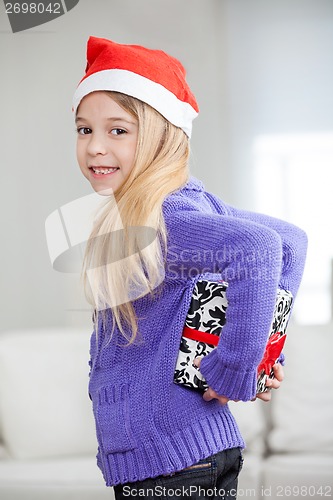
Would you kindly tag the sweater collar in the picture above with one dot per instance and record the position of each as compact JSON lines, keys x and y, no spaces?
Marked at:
{"x":194,"y":184}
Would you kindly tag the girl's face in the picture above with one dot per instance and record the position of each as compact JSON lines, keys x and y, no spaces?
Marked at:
{"x":106,"y":141}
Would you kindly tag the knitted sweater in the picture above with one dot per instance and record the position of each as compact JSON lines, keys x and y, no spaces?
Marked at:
{"x":146,"y":425}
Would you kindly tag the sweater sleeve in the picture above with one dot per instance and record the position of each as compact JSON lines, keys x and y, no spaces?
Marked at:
{"x":294,"y":243}
{"x":249,"y":256}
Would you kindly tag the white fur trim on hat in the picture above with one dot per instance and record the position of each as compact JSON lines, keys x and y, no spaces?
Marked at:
{"x":179,"y":113}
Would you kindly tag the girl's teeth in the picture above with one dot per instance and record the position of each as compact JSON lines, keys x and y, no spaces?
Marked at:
{"x":104,"y":171}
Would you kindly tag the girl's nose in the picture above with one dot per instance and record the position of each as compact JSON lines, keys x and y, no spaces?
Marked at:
{"x":97,"y":145}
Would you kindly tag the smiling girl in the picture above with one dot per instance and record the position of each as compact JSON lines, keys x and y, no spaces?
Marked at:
{"x":134,"y":113}
{"x":107,"y":141}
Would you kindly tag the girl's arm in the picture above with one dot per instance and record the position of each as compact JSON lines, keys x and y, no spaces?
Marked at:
{"x":256,"y":254}
{"x":294,"y":247}
{"x":294,"y":242}
{"x":248,"y":256}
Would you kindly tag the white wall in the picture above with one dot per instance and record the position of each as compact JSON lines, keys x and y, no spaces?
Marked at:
{"x":255,"y":66}
{"x":280,"y":76}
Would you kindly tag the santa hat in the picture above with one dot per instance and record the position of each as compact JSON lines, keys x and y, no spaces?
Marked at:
{"x":152,"y":76}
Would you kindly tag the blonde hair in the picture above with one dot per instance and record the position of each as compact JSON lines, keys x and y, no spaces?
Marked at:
{"x":123,"y":259}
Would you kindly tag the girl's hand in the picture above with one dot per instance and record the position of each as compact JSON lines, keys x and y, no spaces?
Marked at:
{"x":210,"y":394}
{"x":272,"y":383}
{"x":266,"y":396}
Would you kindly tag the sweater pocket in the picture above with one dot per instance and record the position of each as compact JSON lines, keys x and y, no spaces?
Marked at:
{"x":113,"y":419}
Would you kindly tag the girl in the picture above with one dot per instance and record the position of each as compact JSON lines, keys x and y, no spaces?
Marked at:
{"x":158,"y":233}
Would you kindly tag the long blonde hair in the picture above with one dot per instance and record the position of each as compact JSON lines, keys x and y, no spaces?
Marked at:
{"x":123,"y":259}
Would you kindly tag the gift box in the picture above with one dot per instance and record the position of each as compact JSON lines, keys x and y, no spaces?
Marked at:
{"x":204,"y":325}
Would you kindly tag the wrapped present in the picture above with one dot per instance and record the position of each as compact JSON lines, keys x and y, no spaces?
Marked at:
{"x":204,"y":325}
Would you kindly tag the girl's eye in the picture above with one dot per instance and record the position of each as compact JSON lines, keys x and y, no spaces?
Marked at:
{"x":118,"y":131}
{"x":83,"y":130}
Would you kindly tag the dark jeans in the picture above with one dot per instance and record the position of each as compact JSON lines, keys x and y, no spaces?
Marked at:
{"x":215,"y":477}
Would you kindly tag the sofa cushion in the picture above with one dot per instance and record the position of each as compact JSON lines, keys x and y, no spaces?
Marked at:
{"x":298,"y":476}
{"x":302,"y":409}
{"x":44,"y":404}
{"x":250,"y":478}
{"x":250,"y":418}
{"x":53,"y":479}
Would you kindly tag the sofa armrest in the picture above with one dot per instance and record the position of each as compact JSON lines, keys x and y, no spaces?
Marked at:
{"x":47,"y":371}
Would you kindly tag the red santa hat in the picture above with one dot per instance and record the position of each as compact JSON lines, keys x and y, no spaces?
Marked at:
{"x":152,"y":76}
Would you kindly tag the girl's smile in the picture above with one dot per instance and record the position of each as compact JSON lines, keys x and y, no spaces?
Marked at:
{"x":101,"y":171}
{"x":106,"y":142}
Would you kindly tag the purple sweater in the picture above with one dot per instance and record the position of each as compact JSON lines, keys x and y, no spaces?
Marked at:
{"x":146,"y":425}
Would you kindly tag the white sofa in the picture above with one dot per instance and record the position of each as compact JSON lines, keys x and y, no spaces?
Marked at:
{"x":47,"y":436}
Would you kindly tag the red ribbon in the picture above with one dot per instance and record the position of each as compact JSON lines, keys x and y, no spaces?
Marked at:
{"x":208,"y":338}
{"x":273,"y":349}
{"x":272,"y":352}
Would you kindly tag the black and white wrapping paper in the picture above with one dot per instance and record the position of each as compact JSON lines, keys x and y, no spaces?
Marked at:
{"x":207,"y":314}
